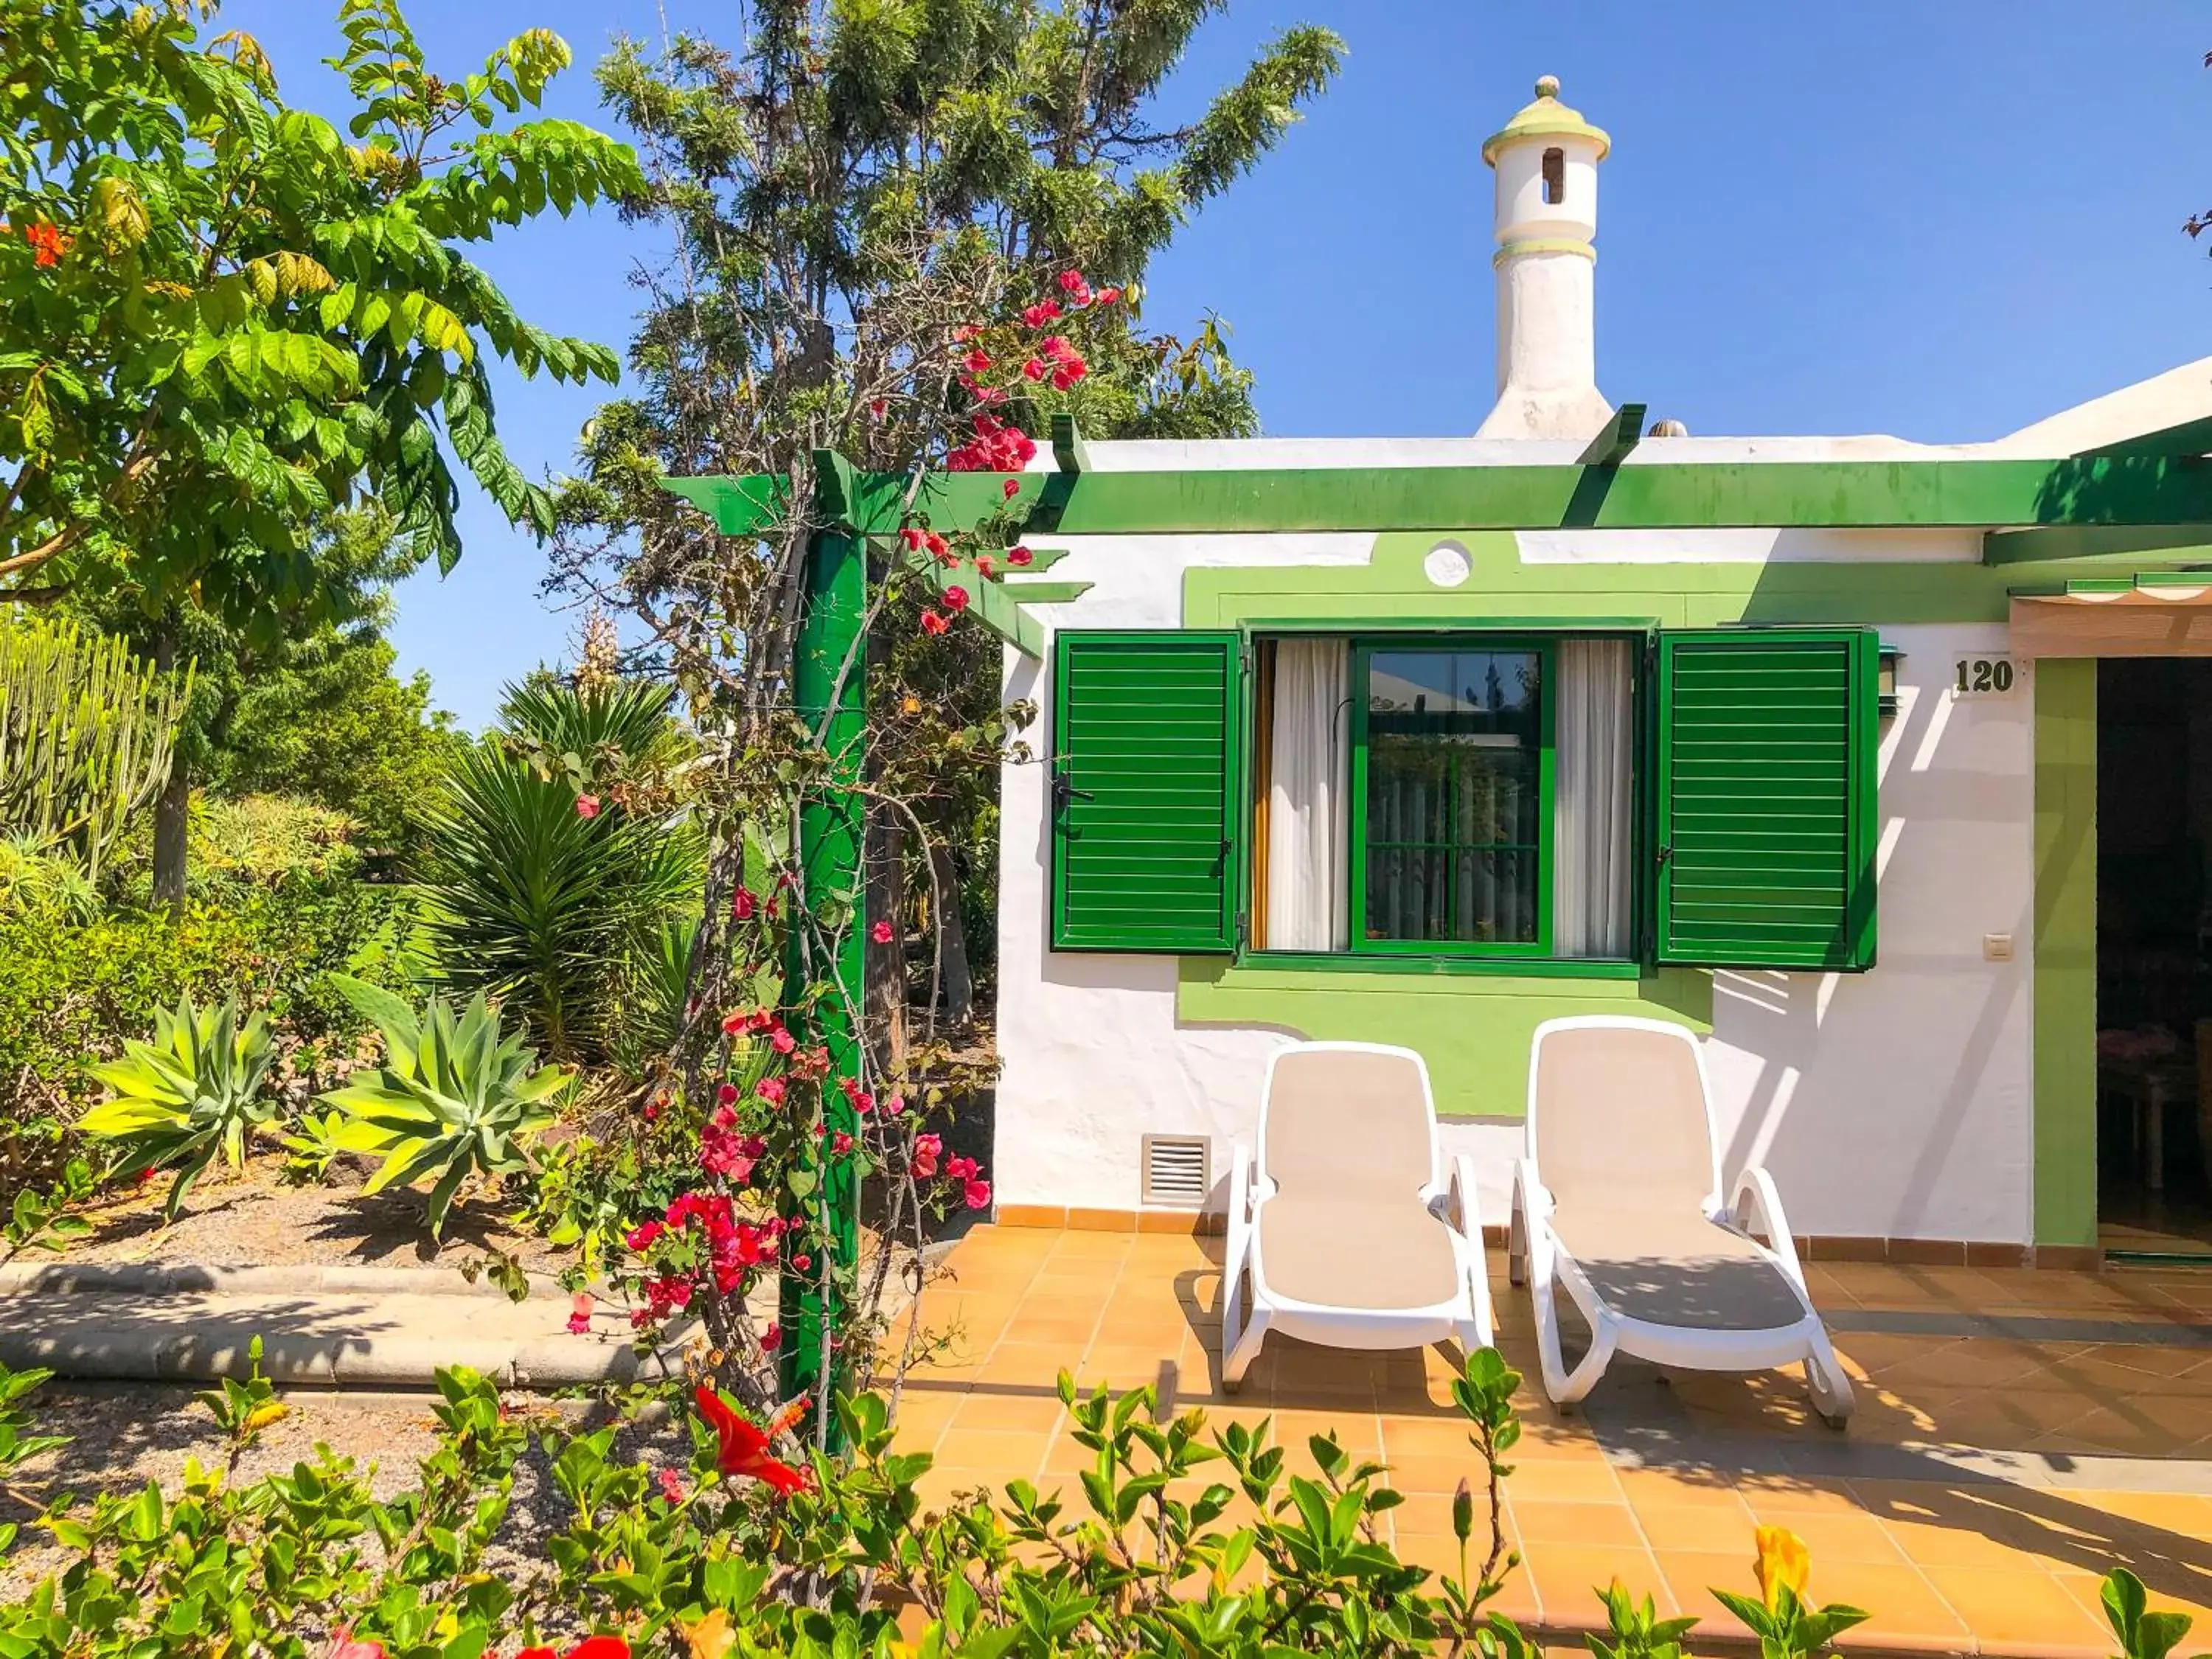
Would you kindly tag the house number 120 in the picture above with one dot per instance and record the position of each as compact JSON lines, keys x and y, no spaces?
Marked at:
{"x":1984,"y":676}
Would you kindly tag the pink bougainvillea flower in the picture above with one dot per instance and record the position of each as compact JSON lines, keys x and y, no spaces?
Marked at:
{"x":895,"y":1105}
{"x":802,"y":1262}
{"x":580,"y":1314}
{"x":1011,"y":488}
{"x":1071,"y":282}
{"x":1034,"y":368}
{"x":927,"y":1149}
{"x":1055,"y":346}
{"x":343,"y":1646}
{"x":600,"y":1647}
{"x":883,"y":933}
{"x":734,"y":1024}
{"x":771,"y":1089}
{"x":984,"y":568}
{"x":761,"y":1019}
{"x":956,"y":599}
{"x":1038,"y":315}
{"x":934,"y":623}
{"x":1019,"y":555}
{"x":771,"y":1339}
{"x":672,"y":1485}
{"x":968,"y":331}
{"x":978,"y":1194}
{"x":742,"y":904}
{"x":912,"y":538}
{"x":727,"y":1093}
{"x":640,"y":1237}
{"x":939,"y":548}
{"x":876,"y":409}
{"x":841,"y":1144}
{"x":1106,"y":296}
{"x":652,"y":1109}
{"x":978,"y":360}
{"x":587,"y":806}
{"x":781,"y":1041}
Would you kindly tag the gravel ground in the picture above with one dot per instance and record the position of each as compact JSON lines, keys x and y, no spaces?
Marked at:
{"x":250,"y":1219}
{"x":125,"y":1434}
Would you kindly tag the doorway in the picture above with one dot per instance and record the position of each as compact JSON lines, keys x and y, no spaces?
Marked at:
{"x":2154,"y":956}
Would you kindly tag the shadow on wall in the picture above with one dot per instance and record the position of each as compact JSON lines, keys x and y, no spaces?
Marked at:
{"x":1898,"y":1101}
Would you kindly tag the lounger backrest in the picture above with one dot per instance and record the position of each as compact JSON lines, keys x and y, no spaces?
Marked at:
{"x":1347,"y":1120}
{"x":1621,"y":1117}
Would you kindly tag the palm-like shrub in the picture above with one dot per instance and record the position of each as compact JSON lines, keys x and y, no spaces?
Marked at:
{"x":456,"y":1095}
{"x":548,"y":881}
{"x":195,"y":1090}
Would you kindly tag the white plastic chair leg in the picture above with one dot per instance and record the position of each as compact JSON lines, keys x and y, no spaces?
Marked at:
{"x":1237,"y":1359}
{"x":1565,"y":1387}
{"x":1831,"y":1385}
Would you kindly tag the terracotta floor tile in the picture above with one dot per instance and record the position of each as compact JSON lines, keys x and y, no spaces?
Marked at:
{"x":1904,"y":1604}
{"x":1559,"y":1481}
{"x":1704,"y":1530}
{"x":2001,"y":1606}
{"x":1570,"y":1576}
{"x":1939,"y":1545}
{"x":1593,"y":1526}
{"x":1683,"y":1489}
{"x":996,"y":1453}
{"x":1835,"y":1537}
{"x":1029,"y":1413}
{"x":1689,"y":1574}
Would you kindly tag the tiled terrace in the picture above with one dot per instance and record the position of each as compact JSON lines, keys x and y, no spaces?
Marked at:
{"x":2018,"y":1433}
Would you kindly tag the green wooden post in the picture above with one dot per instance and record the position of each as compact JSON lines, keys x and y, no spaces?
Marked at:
{"x":832,"y":833}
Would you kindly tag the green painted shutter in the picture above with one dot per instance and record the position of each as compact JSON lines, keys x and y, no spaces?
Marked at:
{"x":1145,"y":737}
{"x":1766,"y":798}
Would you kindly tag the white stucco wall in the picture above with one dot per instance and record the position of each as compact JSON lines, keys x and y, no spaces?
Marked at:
{"x":1895,"y":1103}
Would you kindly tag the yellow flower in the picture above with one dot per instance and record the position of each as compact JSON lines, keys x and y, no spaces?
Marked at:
{"x":1783,"y":1559}
{"x":263,"y":1415}
{"x":710,"y":1638}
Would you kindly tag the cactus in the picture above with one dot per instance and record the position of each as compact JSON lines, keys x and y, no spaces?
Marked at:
{"x":86,"y":734}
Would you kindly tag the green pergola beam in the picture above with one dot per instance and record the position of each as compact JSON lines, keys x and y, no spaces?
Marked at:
{"x":2081,"y":492}
{"x":2189,"y":437}
{"x":2172,"y":543}
{"x":1618,"y":436}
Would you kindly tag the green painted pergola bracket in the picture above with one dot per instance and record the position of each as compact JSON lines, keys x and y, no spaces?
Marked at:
{"x":1616,"y":438}
{"x":1068,"y":451}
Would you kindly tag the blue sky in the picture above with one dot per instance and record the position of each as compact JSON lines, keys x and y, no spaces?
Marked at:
{"x":1937,"y":220}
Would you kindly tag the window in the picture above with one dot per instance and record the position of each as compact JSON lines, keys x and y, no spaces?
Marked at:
{"x":1704,"y":797}
{"x":1451,"y":796}
{"x":1555,"y":177}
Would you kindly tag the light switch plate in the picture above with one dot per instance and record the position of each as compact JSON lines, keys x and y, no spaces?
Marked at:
{"x":1996,"y":947}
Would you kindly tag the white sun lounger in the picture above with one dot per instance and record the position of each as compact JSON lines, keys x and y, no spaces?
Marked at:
{"x":1618,"y":1200}
{"x":1345,"y":1223}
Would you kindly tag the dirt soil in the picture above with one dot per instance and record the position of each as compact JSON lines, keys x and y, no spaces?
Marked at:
{"x":250,"y":1219}
{"x":126,"y":1434}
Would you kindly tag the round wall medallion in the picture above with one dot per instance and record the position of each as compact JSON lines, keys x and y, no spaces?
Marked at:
{"x":1447,"y":564}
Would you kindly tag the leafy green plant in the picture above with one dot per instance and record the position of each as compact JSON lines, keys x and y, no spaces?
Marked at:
{"x":197,"y":1089}
{"x":45,"y":1220}
{"x":456,"y":1095}
{"x":1637,"y":1631}
{"x":2142,"y":1634}
{"x":1786,"y":1623}
{"x":242,"y":1410}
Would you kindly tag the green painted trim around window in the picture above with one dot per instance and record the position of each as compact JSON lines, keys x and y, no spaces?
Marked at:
{"x":2106,"y":489}
{"x":1362,"y":650}
{"x":1438,"y":962}
{"x":2065,"y":983}
{"x":1473,"y":1028}
{"x":1390,"y":589}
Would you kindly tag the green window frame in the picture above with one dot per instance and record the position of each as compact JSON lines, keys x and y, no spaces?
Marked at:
{"x":1364,"y":649}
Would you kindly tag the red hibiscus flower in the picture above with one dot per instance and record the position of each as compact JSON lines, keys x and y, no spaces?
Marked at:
{"x":883,"y":933}
{"x":587,"y":806}
{"x":934,"y":623}
{"x":745,"y":1449}
{"x":956,"y":599}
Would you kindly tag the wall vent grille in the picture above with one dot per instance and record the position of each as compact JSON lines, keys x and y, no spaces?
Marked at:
{"x":1178,"y":1171}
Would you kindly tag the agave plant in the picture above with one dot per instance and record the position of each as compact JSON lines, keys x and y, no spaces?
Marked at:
{"x":195,"y":1090}
{"x":455,"y":1095}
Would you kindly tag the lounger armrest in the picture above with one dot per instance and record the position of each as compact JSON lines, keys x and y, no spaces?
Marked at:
{"x":1530,"y":1196}
{"x":1465,"y":1199}
{"x":1756,"y":1206}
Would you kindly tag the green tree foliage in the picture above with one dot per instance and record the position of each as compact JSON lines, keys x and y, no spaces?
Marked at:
{"x":555,"y":859}
{"x":221,"y":320}
{"x":87,"y":735}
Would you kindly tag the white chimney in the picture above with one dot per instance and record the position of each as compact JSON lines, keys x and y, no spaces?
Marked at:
{"x":1545,"y":158}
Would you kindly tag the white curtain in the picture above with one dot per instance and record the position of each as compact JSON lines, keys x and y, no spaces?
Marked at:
{"x":1590,"y":885}
{"x":1308,"y":902}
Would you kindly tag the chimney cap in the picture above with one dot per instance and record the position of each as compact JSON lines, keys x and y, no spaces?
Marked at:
{"x":1546,"y":118}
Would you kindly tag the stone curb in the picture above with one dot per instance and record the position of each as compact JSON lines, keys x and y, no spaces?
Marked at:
{"x":186,"y":1277}
{"x":123,"y":1352}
